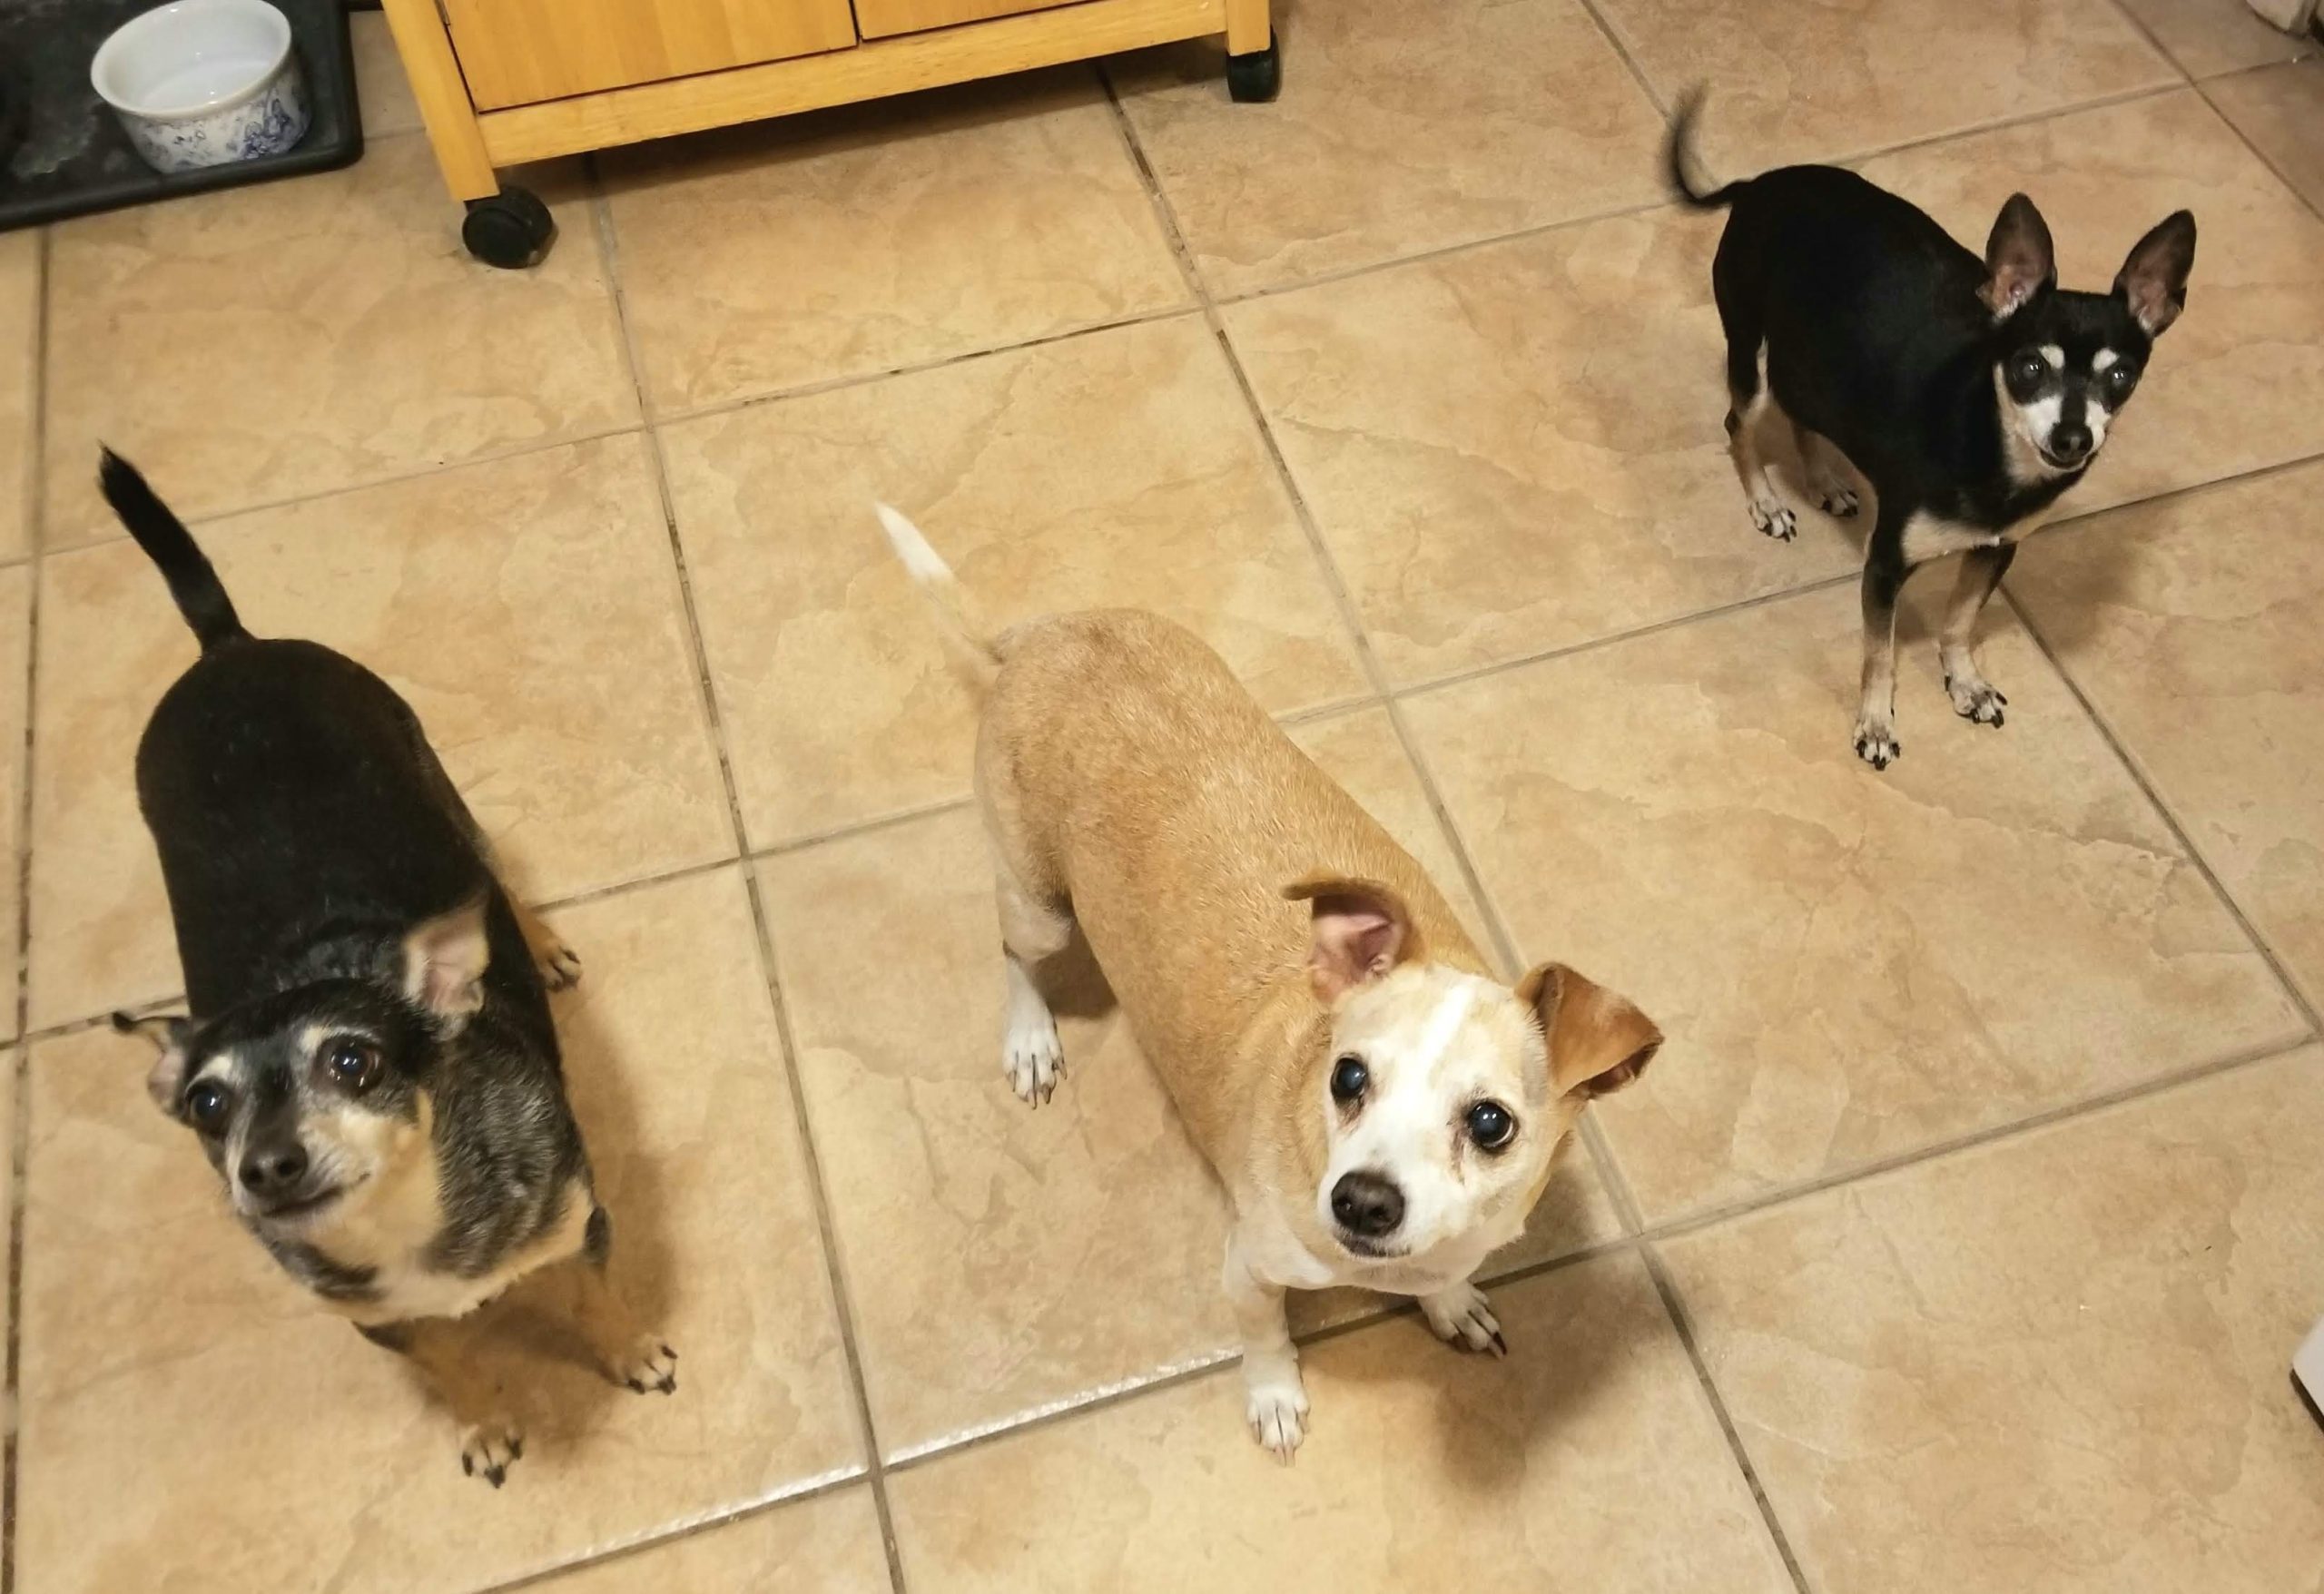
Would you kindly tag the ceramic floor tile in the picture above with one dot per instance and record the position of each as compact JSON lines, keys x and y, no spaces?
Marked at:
{"x":16,"y":639}
{"x":827,"y":1545}
{"x":859,"y":241}
{"x":1819,"y":82}
{"x":1518,"y":448}
{"x":1589,"y":1459}
{"x":2208,"y":37}
{"x":246,"y":1422}
{"x":1849,"y":965}
{"x":291,"y":337}
{"x":528,"y":608}
{"x":1400,"y":128}
{"x":2282,"y":111}
{"x":2226,"y":390}
{"x":2191,"y":625}
{"x":1064,"y":1250}
{"x":1121,"y":468}
{"x":2056,"y":1363}
{"x":379,"y":80}
{"x":20,"y":292}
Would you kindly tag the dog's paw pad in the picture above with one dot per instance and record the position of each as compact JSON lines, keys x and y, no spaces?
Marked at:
{"x":1033,"y":1057}
{"x":1838,"y":500}
{"x":1463,"y":1319}
{"x":1276,"y":1411}
{"x":650,"y":1365}
{"x":560,"y":965}
{"x":1976,"y":700}
{"x":489,"y":1449}
{"x":1774,"y":519}
{"x":1877,"y":745}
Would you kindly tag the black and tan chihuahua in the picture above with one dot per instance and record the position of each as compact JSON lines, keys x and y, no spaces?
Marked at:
{"x":1968,"y":393}
{"x":368,"y":1061}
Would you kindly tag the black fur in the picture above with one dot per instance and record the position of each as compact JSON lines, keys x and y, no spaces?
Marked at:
{"x":305,"y":828}
{"x":1880,"y":336}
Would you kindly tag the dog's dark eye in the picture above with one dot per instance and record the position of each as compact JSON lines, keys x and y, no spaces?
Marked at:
{"x":2121,"y":379}
{"x":1491,"y":1126}
{"x":206,"y":1105}
{"x":1349,"y":1076}
{"x":354,"y":1064}
{"x":2028,"y":370}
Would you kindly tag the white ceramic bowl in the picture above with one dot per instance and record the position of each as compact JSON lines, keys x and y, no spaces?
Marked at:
{"x":199,"y":83}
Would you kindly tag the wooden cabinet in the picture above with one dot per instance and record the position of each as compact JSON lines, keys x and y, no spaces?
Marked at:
{"x":881,"y":19}
{"x":500,"y":83}
{"x":515,"y":52}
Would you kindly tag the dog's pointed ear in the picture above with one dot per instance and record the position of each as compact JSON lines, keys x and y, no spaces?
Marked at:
{"x":1358,"y":930}
{"x":2153,"y":280}
{"x":1598,"y":1042}
{"x":169,"y":1033}
{"x":444,"y":960}
{"x":2019,"y":260}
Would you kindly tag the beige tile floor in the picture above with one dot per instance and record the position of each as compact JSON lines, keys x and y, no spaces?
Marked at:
{"x":1958,"y":1240}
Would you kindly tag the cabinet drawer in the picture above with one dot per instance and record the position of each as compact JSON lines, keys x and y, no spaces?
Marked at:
{"x":518,"y":52}
{"x":879,"y":19}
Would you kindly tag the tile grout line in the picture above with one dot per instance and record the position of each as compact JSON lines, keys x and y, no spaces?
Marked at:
{"x":812,"y":1162}
{"x":2137,"y":24}
{"x":2258,"y":154}
{"x":1609,"y":1172}
{"x":1622,"y":48}
{"x":2106,"y":102}
{"x":19,"y":1079}
{"x":2170,"y":817}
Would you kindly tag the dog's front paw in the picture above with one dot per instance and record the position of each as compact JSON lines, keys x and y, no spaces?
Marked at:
{"x":1837,"y":499}
{"x":1772,"y":519}
{"x":1877,"y":744}
{"x":489,"y":1447}
{"x":1463,"y":1319}
{"x":560,"y":964}
{"x":649,"y":1364}
{"x":1975,"y":699}
{"x":1033,"y":1057}
{"x":1276,"y":1406}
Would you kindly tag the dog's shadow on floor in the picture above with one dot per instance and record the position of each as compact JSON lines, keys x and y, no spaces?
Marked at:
{"x":1073,"y":984}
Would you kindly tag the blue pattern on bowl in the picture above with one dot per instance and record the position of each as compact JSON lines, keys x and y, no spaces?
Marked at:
{"x":269,"y":122}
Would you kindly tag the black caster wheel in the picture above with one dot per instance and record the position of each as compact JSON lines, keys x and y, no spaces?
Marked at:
{"x":1255,"y":77}
{"x":512,"y":229}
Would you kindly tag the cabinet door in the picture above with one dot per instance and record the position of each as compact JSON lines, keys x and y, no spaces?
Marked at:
{"x":515,"y":52}
{"x":880,"y":19}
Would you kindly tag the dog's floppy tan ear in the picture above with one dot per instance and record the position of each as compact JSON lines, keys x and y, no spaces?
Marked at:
{"x":2019,"y":258}
{"x":1359,"y":931}
{"x":1598,"y":1042}
{"x":444,"y":960}
{"x":168,"y":1032}
{"x":2153,"y":279}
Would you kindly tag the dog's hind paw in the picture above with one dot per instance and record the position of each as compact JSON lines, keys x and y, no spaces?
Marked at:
{"x":1463,"y":1319}
{"x":1033,"y":1057}
{"x":1837,"y":499}
{"x":1976,"y":700}
{"x":1773,"y":519}
{"x":560,"y":964}
{"x":1877,"y":744}
{"x":651,"y":1364}
{"x":489,"y":1449}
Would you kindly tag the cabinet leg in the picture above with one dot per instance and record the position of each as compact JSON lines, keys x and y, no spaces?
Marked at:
{"x":1248,"y":30}
{"x":442,"y":94}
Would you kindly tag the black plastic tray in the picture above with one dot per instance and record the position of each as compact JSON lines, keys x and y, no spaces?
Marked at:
{"x":66,"y":155}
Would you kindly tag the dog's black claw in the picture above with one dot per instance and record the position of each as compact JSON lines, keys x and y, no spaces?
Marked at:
{"x":468,"y":1467}
{"x":1499,"y":1345}
{"x":668,"y":1384}
{"x":636,"y":1385}
{"x":515,"y":1449}
{"x":672,"y":1354}
{"x":496,"y":1476}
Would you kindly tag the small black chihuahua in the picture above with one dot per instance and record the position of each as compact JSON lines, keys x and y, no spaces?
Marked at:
{"x":370,"y":1063}
{"x":1970,"y":394}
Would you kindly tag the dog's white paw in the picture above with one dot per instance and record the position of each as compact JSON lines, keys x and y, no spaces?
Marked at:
{"x":1463,"y":1319}
{"x":489,"y":1447}
{"x":649,"y":1364}
{"x":560,"y":965}
{"x":1033,"y":1055}
{"x":1774,"y":518}
{"x":1974,"y":698}
{"x":1877,"y":744}
{"x":1275,"y":1406}
{"x":1834,"y":497}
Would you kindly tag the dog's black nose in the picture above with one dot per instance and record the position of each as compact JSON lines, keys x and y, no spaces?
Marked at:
{"x":273,"y":1168}
{"x":1367,"y":1205}
{"x":2069,"y":440}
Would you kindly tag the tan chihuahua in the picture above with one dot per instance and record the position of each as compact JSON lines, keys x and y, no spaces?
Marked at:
{"x":1381,"y":1111}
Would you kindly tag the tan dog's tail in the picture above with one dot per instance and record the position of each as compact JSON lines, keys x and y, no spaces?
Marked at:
{"x":971,"y":652}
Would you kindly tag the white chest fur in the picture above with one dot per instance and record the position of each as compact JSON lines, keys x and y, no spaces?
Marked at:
{"x":406,"y":1287}
{"x":1932,"y":537}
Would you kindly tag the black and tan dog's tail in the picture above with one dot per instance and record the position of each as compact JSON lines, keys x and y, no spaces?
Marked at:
{"x":965,"y":644}
{"x":1678,"y":156}
{"x":164,"y":537}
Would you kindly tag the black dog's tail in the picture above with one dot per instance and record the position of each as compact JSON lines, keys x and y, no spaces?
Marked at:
{"x":164,"y":537}
{"x":1677,"y":157}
